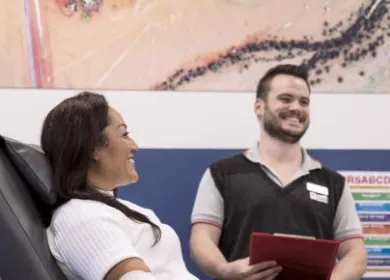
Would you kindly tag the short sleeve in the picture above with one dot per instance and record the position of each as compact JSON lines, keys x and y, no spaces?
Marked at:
{"x":209,"y":204}
{"x":347,"y":223}
{"x":91,"y":244}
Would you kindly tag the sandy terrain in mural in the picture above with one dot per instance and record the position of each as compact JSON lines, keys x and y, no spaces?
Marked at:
{"x":222,"y":45}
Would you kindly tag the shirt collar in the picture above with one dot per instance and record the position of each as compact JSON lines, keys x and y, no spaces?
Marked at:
{"x":308,"y":163}
{"x":106,"y":192}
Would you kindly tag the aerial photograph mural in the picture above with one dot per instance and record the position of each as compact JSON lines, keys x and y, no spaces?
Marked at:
{"x":205,"y":45}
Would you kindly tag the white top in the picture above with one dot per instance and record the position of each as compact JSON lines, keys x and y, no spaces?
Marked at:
{"x":87,"y":238}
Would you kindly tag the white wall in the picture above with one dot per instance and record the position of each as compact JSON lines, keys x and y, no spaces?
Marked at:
{"x":209,"y":120}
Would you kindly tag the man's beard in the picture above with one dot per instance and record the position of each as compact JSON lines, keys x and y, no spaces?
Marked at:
{"x":273,"y":125}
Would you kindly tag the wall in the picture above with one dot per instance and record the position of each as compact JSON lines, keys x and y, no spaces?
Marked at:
{"x":180,"y":133}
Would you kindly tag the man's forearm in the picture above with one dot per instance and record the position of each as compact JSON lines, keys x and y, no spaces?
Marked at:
{"x":208,"y":257}
{"x":351,"y":267}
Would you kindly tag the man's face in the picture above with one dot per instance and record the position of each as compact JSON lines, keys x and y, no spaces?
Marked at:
{"x":285,"y":113}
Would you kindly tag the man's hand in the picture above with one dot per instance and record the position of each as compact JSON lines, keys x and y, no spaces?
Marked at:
{"x":241,"y":270}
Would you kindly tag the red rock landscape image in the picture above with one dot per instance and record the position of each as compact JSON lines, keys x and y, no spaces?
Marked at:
{"x":202,"y":45}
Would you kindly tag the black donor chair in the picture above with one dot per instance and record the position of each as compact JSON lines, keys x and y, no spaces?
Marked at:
{"x":26,"y":197}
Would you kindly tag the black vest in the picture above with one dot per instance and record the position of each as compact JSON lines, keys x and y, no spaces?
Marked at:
{"x":253,"y":202}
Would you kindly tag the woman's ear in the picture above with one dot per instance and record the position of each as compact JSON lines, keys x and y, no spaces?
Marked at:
{"x":96,"y":155}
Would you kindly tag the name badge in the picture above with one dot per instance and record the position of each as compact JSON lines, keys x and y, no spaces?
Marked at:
{"x":311,"y":187}
{"x":319,"y":197}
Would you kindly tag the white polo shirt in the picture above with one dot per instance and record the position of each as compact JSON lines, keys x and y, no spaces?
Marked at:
{"x":87,"y":238}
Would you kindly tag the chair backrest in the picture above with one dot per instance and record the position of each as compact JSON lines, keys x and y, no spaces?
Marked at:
{"x":26,"y":197}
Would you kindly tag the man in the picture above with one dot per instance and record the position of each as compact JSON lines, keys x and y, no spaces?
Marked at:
{"x":274,"y":187}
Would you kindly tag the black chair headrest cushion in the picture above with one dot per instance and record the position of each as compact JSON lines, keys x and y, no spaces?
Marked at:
{"x":32,"y":164}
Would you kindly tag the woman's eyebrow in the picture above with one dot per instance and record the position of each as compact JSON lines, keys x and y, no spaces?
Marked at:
{"x":351,"y":45}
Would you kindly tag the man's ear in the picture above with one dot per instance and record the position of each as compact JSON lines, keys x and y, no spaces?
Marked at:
{"x":259,"y":107}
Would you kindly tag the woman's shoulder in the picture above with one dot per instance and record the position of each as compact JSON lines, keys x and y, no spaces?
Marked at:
{"x":77,"y":211}
{"x":143,"y":210}
{"x":134,"y":206}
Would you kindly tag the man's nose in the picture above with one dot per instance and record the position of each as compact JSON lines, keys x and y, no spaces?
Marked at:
{"x":295,"y":106}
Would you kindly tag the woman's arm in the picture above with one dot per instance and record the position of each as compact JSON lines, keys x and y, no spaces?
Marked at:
{"x":130,"y":269}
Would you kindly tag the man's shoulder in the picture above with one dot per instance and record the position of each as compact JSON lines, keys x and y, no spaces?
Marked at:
{"x":229,"y":161}
{"x":331,"y":172}
{"x":233,"y":164}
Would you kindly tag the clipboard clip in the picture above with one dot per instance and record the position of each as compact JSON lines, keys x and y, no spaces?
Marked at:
{"x":295,"y":236}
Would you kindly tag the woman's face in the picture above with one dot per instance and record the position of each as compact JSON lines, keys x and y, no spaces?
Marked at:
{"x":113,"y":164}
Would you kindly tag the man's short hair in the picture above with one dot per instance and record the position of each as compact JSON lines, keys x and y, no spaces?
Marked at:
{"x":297,"y":71}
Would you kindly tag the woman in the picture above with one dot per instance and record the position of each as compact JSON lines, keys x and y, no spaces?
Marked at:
{"x":93,"y":235}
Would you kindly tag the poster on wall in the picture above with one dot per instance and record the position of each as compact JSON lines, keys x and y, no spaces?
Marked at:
{"x":371,"y":192}
{"x":203,"y":45}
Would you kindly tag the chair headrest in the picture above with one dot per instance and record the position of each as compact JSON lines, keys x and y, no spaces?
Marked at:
{"x":33,"y":166}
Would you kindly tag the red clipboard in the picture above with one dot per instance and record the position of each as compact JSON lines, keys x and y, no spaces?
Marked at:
{"x":301,"y":258}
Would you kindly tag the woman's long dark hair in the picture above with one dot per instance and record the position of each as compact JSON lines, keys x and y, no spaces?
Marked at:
{"x":71,"y":132}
